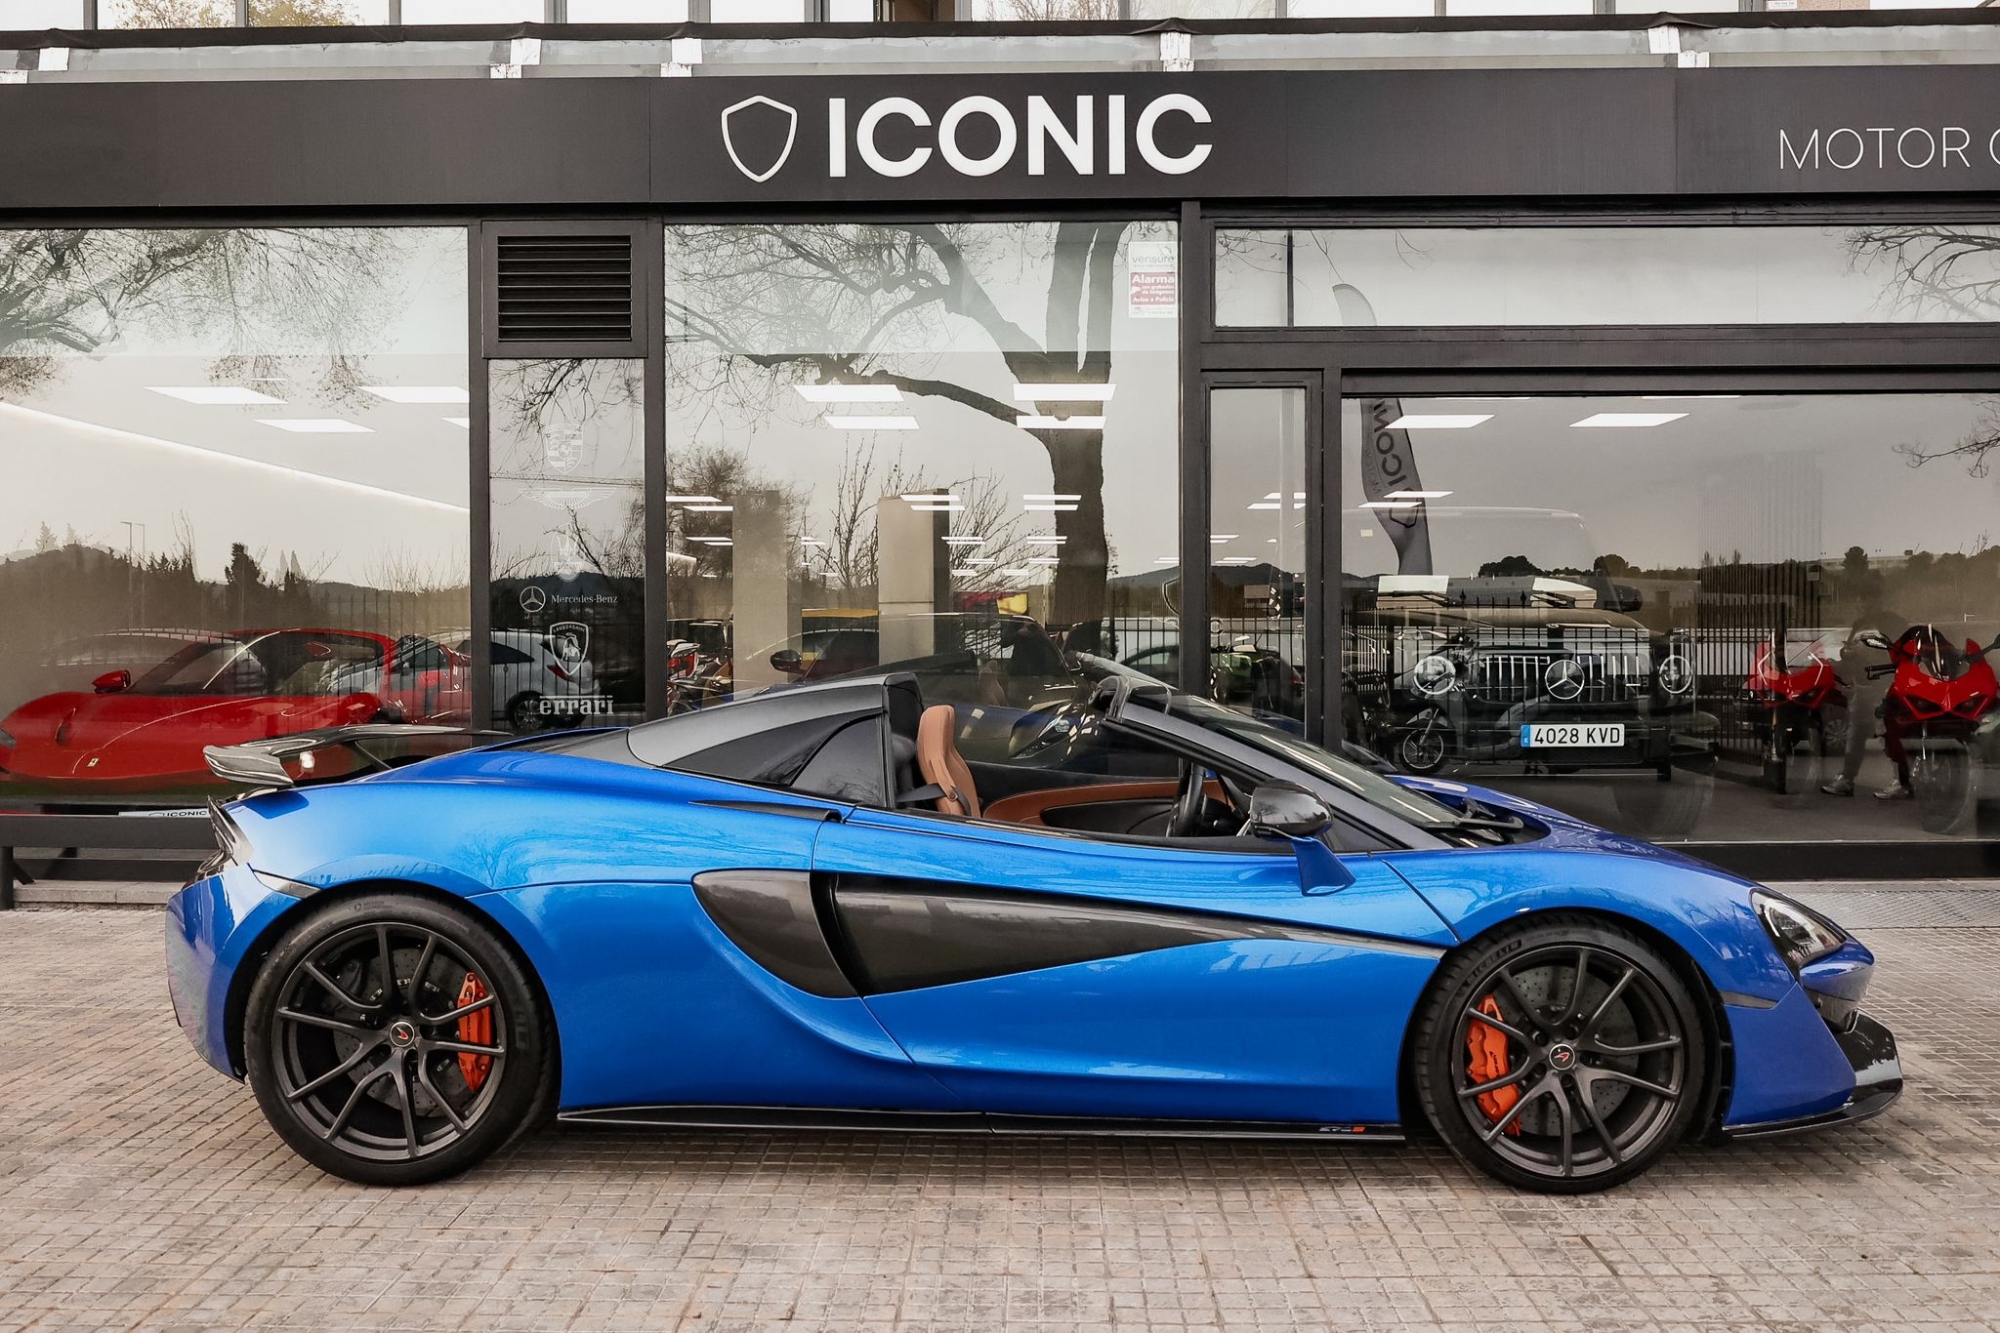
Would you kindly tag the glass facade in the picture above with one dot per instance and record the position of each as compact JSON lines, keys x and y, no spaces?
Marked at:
{"x":1431,"y":277}
{"x":1257,"y":439}
{"x":247,"y":472}
{"x":568,"y":541}
{"x":1718,"y":617}
{"x":235,"y":498}
{"x":946,"y":445}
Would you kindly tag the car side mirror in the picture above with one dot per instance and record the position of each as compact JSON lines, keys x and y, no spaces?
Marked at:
{"x":787,"y":661}
{"x":1873,"y":638}
{"x":112,"y":682}
{"x":1281,"y":810}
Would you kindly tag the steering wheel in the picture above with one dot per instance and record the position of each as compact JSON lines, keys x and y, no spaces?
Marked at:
{"x":1189,"y":802}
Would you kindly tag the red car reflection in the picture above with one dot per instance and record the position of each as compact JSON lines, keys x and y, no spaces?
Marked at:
{"x":147,"y":734}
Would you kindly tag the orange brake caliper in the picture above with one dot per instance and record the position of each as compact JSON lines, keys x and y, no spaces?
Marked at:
{"x":477,"y":1030}
{"x":1488,"y":1047}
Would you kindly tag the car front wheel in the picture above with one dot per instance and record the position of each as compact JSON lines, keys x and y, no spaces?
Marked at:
{"x":1562,"y":1056}
{"x":392,"y":1040}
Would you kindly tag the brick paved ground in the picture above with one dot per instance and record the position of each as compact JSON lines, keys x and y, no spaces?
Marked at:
{"x":140,"y":1189}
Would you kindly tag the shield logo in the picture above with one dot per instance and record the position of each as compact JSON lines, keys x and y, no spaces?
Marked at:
{"x":571,"y":640}
{"x":758,"y":129}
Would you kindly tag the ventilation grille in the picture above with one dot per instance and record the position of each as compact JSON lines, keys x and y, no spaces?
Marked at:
{"x":565,"y":289}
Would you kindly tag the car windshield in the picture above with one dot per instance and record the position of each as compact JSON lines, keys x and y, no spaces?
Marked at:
{"x":1411,"y":806}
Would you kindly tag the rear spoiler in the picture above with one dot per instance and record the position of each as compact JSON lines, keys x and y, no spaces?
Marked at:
{"x":370,"y":747}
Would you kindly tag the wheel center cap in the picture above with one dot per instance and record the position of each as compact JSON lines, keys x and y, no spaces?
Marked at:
{"x":402,"y":1033}
{"x":1562,"y":1057}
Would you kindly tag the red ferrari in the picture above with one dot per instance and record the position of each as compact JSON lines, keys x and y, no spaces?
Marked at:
{"x":144,"y":735}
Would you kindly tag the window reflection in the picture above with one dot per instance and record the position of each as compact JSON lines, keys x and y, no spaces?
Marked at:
{"x":1719,"y":616}
{"x":947,"y":445}
{"x":569,"y":566}
{"x":236,"y":499}
{"x":1429,"y":277}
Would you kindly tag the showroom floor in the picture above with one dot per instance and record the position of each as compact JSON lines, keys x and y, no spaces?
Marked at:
{"x":140,"y":1189}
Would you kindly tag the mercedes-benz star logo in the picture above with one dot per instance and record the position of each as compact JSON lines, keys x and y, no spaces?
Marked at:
{"x":1564,"y":678}
{"x":534,"y":600}
{"x":747,"y":141}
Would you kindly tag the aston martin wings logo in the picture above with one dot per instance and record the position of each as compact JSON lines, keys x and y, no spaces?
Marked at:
{"x":758,"y":123}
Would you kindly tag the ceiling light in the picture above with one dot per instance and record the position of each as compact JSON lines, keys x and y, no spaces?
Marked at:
{"x":1049,"y":508}
{"x":692,"y":500}
{"x":1629,"y":419}
{"x":870,"y":423}
{"x":814,"y":541}
{"x":1040,"y":421}
{"x":711,"y":509}
{"x":1418,"y":495}
{"x":419,"y":393}
{"x":965,"y":541}
{"x":849,"y":393}
{"x":1064,"y":393}
{"x":1044,"y":560}
{"x":1017,"y":573}
{"x":1030,"y":495}
{"x":1390,"y":504}
{"x":219,"y":457}
{"x":1222,"y":537}
{"x":1238,"y":560}
{"x":1439,"y":420}
{"x":713,"y":541}
{"x":980,"y":560}
{"x":317,"y":425}
{"x":1268,"y":504}
{"x":463,"y":423}
{"x":928,"y":497}
{"x":1047,"y":541}
{"x":1166,"y":560}
{"x":218,"y":395}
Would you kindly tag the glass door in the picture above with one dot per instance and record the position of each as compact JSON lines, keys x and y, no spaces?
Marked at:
{"x":1264,"y":559}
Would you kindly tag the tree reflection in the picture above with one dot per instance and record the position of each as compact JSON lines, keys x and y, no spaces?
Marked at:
{"x":883,"y":304}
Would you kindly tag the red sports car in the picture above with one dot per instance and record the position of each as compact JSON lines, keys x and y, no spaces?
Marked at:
{"x":147,"y":735}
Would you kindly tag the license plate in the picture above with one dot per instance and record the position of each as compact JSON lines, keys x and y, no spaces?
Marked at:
{"x":1572,"y":735}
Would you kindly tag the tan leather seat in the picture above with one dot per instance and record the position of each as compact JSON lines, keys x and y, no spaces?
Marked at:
{"x":940,"y":762}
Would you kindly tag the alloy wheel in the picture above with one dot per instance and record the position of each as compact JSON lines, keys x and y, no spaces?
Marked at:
{"x":1575,"y":1062}
{"x":389,"y":1041}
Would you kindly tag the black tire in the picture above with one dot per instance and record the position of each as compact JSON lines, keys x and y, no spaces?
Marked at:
{"x":1567,"y":1055}
{"x":1421,"y":751}
{"x":524,"y":713}
{"x":1941,"y":781}
{"x":356,"y":1081}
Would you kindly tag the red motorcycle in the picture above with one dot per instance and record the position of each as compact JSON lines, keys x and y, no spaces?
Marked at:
{"x":1806,"y":716}
{"x":1932,"y":708}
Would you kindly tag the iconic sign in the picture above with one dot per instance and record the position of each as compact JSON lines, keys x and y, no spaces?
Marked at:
{"x":1022,"y":135}
{"x":1005,"y":136}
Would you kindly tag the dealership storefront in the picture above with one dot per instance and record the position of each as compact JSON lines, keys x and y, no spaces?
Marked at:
{"x":1551,"y":428}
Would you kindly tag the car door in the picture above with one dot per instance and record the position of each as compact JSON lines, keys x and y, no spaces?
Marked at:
{"x":1044,"y":973}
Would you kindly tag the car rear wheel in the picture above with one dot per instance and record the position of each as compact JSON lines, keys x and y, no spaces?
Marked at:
{"x":1562,"y":1056}
{"x":392,"y":1040}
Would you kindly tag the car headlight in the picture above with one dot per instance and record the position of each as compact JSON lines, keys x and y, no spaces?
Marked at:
{"x":1800,"y":933}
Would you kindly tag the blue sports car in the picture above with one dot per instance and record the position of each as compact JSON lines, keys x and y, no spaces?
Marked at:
{"x":1149,"y":915}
